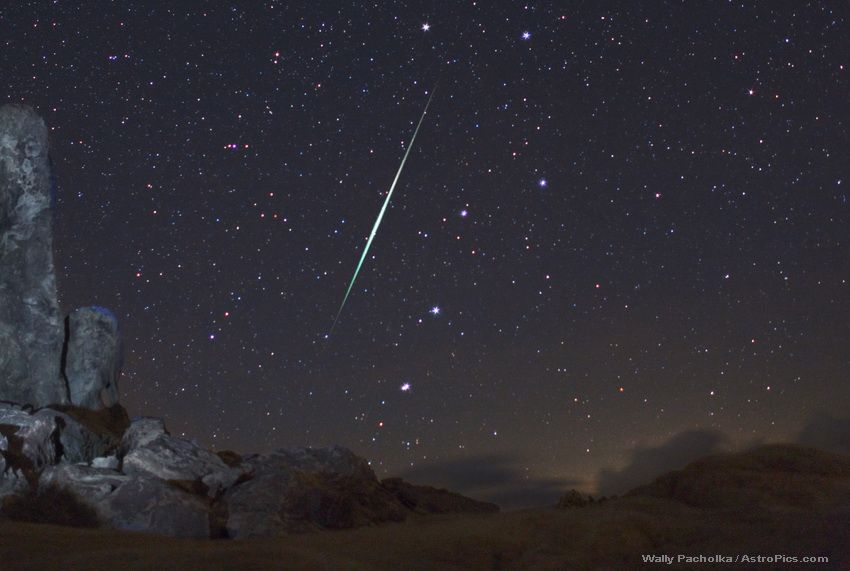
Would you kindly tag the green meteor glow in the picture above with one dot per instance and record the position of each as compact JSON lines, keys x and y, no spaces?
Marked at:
{"x":383,"y":210}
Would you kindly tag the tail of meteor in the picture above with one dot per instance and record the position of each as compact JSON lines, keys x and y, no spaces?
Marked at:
{"x":383,"y":210}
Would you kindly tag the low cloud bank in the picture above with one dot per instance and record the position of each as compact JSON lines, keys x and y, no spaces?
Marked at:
{"x":827,"y":432}
{"x":648,"y":462}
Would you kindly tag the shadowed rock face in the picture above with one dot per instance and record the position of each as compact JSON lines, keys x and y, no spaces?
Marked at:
{"x":133,"y":503}
{"x":304,"y":489}
{"x":31,"y":442}
{"x":94,"y":357}
{"x":31,"y":332}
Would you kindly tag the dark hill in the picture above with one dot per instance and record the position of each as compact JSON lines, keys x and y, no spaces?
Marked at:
{"x":768,"y":476}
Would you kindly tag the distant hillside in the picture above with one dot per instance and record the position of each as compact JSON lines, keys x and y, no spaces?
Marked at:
{"x":767,"y":476}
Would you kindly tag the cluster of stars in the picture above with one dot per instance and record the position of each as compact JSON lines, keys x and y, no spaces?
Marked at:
{"x":606,"y":201}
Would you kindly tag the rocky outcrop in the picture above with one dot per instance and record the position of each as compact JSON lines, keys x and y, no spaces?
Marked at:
{"x":12,"y":481}
{"x":41,"y":361}
{"x":133,"y":503}
{"x":31,"y":442}
{"x":93,"y":357}
{"x":65,"y":439}
{"x":149,"y":449}
{"x":307,"y":489}
{"x":429,"y":500}
{"x":136,"y":476}
{"x":31,"y":331}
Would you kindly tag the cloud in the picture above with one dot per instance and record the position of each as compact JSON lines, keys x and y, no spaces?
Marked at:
{"x":497,"y":478}
{"x":827,"y":432}
{"x":648,"y":462}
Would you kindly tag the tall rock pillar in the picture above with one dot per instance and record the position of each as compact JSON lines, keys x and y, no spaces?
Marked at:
{"x":31,"y":331}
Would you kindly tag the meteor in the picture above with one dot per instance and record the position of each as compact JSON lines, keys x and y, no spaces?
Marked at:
{"x":383,"y":210}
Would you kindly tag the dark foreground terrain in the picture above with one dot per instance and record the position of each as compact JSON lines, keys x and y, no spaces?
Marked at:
{"x":772,"y":500}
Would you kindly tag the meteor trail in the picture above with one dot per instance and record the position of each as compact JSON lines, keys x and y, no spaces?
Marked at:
{"x":383,"y":210}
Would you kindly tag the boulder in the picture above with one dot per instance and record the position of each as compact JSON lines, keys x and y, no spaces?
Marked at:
{"x":107,"y":424}
{"x":31,"y":441}
{"x":93,"y":357}
{"x":333,"y":459}
{"x":429,"y":500}
{"x":306,"y":489}
{"x":133,"y":503}
{"x":149,"y":449}
{"x":142,"y":431}
{"x":31,"y":331}
{"x":12,"y":481}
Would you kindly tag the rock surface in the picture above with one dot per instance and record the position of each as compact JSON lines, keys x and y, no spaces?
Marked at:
{"x":134,"y":503}
{"x":33,"y":441}
{"x":152,"y":481}
{"x":12,"y":480}
{"x":149,"y":449}
{"x":31,"y":331}
{"x":94,"y":356}
{"x":307,"y":489}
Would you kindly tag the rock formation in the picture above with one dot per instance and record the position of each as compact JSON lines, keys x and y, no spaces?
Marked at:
{"x":148,"y":480}
{"x":31,"y":332}
{"x":41,"y":361}
{"x":150,"y":450}
{"x":62,"y":428}
{"x":93,"y":357}
{"x":307,"y":489}
{"x":133,"y":503}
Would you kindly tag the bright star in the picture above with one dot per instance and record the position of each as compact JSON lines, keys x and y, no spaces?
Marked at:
{"x":426,"y":26}
{"x":542,"y":183}
{"x":464,"y":213}
{"x":434,"y":310}
{"x":405,"y":387}
{"x":526,"y":35}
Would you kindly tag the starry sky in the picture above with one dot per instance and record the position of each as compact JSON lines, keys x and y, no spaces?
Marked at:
{"x":619,"y":222}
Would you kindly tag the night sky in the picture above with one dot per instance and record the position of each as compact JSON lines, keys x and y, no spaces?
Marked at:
{"x":618,"y":222}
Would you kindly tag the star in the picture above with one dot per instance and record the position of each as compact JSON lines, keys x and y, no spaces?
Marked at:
{"x":426,"y":26}
{"x":464,"y":213}
{"x":526,"y":35}
{"x":542,"y":183}
{"x":434,"y":310}
{"x":405,"y":387}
